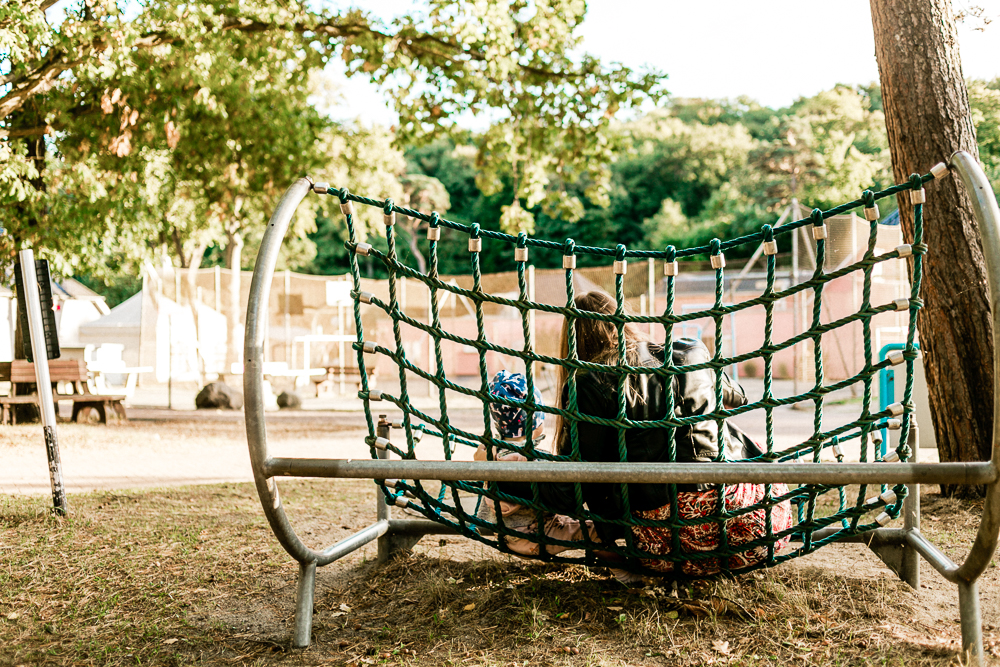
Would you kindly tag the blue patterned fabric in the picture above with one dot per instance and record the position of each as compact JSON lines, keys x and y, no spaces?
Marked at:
{"x":508,"y":419}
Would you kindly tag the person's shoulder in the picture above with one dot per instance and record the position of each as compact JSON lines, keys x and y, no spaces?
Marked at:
{"x":688,"y":351}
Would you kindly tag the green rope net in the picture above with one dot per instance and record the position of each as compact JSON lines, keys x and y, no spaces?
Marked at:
{"x":449,"y":503}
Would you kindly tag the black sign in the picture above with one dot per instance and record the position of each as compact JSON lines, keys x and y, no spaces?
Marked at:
{"x":48,"y":314}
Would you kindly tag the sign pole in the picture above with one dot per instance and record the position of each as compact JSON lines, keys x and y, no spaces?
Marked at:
{"x":45,"y":401}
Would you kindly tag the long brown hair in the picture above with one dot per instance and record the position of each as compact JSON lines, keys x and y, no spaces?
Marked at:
{"x":597,"y":342}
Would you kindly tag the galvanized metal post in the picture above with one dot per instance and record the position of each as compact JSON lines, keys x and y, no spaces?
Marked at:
{"x":46,"y":403}
{"x":909,"y":569}
{"x":304,"y":605}
{"x":972,"y":623}
{"x":382,"y":509}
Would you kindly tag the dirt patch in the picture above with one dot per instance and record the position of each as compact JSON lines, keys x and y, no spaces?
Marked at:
{"x":194,"y":576}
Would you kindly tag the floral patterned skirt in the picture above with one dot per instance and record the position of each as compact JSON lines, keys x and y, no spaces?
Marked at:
{"x":705,"y":536}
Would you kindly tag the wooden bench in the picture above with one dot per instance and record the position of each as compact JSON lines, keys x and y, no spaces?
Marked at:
{"x":22,"y":373}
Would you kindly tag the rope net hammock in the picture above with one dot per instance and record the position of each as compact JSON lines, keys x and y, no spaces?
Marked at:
{"x":457,"y":504}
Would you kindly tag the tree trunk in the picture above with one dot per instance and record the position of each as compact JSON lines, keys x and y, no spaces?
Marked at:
{"x":234,"y":260}
{"x":927,"y":116}
{"x":412,"y":231}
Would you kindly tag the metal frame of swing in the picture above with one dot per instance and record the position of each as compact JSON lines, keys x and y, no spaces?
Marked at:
{"x":898,"y":548}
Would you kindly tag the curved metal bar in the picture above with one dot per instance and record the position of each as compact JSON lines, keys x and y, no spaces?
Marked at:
{"x":984,"y":205}
{"x":253,"y":377}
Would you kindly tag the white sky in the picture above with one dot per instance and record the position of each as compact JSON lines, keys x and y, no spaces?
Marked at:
{"x":773,"y":51}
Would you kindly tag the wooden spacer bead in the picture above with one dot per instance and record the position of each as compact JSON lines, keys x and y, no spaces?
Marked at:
{"x":891,"y":457}
{"x":401,"y":502}
{"x":895,"y":409}
{"x":321,"y":188}
{"x":819,"y":232}
{"x":770,"y":247}
{"x":381,"y":443}
{"x":389,"y":218}
{"x":893,"y":424}
{"x":888,"y":497}
{"x":940,"y":170}
{"x":365,"y":297}
{"x":670,"y":269}
{"x":871,"y":213}
{"x":901,"y":304}
{"x":621,"y":267}
{"x":375,"y":395}
{"x":883,"y":519}
{"x":434,"y":233}
{"x":475,"y":245}
{"x":904,"y":250}
{"x":569,"y":261}
{"x":718,"y":261}
{"x":346,"y":207}
{"x":520,"y":254}
{"x":396,"y":423}
{"x":918,"y":196}
{"x":895,"y":357}
{"x":363,"y":249}
{"x":369,"y":347}
{"x":838,"y":451}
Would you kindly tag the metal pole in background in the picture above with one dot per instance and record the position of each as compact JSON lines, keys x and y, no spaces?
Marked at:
{"x":170,"y":362}
{"x":45,"y":401}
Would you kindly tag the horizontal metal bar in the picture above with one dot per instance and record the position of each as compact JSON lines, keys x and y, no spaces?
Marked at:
{"x":638,"y":473}
{"x":938,"y":560}
{"x":354,"y":542}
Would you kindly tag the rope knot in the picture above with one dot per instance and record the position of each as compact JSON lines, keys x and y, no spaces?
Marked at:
{"x":671,"y":253}
{"x":620,"y":252}
{"x":916,"y":182}
{"x":522,"y":240}
{"x":817,"y":215}
{"x":569,"y":247}
{"x":387,"y":207}
{"x":767,"y":231}
{"x":344,"y":192}
{"x":475,"y":231}
{"x":716,"y":246}
{"x":868,"y":197}
{"x":435,"y":219}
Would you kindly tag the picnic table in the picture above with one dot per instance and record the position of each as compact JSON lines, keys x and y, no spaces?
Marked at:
{"x":21,"y":375}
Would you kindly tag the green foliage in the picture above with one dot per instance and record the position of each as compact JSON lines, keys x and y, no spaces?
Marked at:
{"x":984,"y":97}
{"x":166,"y":127}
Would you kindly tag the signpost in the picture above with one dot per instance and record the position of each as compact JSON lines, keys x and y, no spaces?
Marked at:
{"x":46,"y":404}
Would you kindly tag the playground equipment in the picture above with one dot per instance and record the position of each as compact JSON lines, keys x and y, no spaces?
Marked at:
{"x":449,"y":508}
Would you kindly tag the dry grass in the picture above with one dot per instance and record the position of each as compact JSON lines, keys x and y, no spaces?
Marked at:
{"x":194,"y":576}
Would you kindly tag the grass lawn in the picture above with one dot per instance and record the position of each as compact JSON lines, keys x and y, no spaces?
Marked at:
{"x":194,"y":576}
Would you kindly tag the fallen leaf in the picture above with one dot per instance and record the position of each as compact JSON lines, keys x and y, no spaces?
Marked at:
{"x":12,"y":616}
{"x":721,"y":646}
{"x":337,"y":613}
{"x":170,"y":641}
{"x":615,"y":608}
{"x":469,"y":607}
{"x":344,"y":608}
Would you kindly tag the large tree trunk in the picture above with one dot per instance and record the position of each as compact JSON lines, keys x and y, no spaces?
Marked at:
{"x":927,"y":115}
{"x":234,"y":260}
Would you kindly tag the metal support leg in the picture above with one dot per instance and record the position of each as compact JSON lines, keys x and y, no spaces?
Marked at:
{"x":304,"y":605}
{"x":972,"y":624}
{"x":397,"y":539}
{"x":381,"y":507}
{"x":909,"y":569}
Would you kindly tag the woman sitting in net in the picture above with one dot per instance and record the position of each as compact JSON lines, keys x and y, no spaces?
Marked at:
{"x":645,"y":400}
